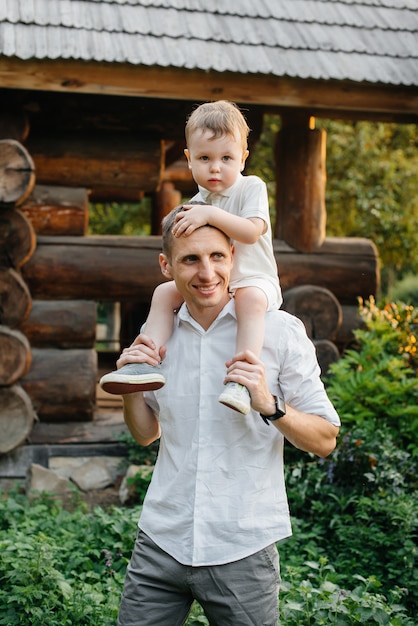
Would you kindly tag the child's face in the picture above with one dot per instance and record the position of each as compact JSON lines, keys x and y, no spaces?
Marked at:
{"x":215,"y":163}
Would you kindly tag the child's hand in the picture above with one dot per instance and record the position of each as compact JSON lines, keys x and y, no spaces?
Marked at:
{"x":142,"y":350}
{"x":191,"y":217}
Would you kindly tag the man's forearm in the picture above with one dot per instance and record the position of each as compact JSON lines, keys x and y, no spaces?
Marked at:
{"x":310,"y":433}
{"x":140,"y":419}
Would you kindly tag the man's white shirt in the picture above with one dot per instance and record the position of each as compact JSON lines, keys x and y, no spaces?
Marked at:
{"x":217,"y":493}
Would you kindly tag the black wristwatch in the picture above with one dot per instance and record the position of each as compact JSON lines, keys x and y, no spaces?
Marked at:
{"x":280,"y":410}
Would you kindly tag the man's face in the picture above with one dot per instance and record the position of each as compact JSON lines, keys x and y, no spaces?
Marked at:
{"x":200,"y":265}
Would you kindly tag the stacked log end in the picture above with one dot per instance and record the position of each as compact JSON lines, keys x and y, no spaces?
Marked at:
{"x":17,"y":244}
{"x":48,"y":363}
{"x":321,"y":313}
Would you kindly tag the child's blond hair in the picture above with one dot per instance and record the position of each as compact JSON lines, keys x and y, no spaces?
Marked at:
{"x":221,"y":118}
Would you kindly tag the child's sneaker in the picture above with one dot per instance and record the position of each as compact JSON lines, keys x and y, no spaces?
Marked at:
{"x":236,"y":397}
{"x":131,"y":378}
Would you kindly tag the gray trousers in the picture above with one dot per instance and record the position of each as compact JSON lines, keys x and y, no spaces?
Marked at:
{"x":159,"y":591}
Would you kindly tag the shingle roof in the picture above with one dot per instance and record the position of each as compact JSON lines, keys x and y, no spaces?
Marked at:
{"x":369,"y":40}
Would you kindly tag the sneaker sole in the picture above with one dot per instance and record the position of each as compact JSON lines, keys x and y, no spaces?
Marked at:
{"x":242,"y":408}
{"x":123,"y":384}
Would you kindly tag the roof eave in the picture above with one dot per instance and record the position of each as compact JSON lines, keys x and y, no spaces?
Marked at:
{"x":320,"y":97}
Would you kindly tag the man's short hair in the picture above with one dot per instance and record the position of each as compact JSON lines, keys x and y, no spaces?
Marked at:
{"x":167,"y":229}
{"x":221,"y":118}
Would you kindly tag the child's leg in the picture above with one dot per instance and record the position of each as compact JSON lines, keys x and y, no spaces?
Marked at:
{"x":159,"y":325}
{"x":141,"y":376}
{"x":250,"y":306}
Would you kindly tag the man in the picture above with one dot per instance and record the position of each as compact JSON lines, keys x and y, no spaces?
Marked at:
{"x":217,"y":504}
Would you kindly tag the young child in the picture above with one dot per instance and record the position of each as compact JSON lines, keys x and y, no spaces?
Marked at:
{"x":216,"y":140}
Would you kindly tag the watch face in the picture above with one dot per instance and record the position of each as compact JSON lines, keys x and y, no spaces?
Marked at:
{"x":280,"y":410}
{"x":280,"y":405}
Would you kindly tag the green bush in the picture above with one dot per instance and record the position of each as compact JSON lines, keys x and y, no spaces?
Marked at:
{"x":375,"y":385}
{"x":316,"y":600}
{"x":138,"y":484}
{"x":60,"y":568}
{"x":357,"y":509}
{"x":406,"y":290}
{"x":136,"y":454}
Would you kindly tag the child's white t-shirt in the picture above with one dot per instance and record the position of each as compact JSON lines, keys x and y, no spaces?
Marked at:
{"x":254,"y":264}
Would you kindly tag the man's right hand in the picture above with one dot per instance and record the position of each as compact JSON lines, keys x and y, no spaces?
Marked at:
{"x":245,"y":368}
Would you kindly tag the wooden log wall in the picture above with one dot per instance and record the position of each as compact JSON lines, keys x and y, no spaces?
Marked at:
{"x":62,"y":379}
{"x":17,"y":244}
{"x":48,"y":364}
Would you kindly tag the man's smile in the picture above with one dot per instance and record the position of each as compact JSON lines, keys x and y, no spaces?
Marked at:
{"x":207,"y":289}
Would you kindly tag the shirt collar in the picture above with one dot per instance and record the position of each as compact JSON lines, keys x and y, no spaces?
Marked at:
{"x":184,"y":314}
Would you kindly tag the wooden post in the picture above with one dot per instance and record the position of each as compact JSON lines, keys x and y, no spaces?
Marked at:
{"x":301,"y":175}
{"x":164,"y":200}
{"x":17,"y":244}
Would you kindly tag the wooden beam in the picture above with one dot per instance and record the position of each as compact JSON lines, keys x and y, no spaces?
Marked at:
{"x":396,"y":102}
{"x":97,"y":160}
{"x":62,"y":384}
{"x":126,"y":269}
{"x":61,"y":324}
{"x":57,"y":210}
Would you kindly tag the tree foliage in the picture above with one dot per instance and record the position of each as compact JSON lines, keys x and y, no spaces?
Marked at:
{"x":113,"y":218}
{"x":371,"y":186}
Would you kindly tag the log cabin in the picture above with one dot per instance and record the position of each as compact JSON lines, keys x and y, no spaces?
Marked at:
{"x":94,"y":95}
